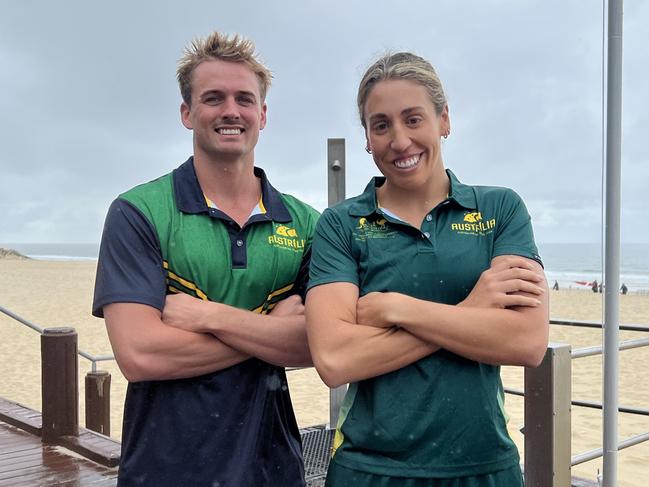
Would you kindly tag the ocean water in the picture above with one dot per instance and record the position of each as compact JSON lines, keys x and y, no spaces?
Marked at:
{"x":55,"y":251}
{"x":568,"y":264}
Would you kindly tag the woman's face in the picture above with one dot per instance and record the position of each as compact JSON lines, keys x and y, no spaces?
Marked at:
{"x":404,"y":131}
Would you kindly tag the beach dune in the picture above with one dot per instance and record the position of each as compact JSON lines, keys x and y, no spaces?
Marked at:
{"x":53,"y":294}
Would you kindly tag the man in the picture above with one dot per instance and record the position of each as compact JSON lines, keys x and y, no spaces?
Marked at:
{"x":207,"y":401}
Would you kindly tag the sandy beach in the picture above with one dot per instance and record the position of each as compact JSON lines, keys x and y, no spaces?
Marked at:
{"x":53,"y":294}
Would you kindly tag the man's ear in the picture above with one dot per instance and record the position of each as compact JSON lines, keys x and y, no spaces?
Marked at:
{"x":262,"y":121}
{"x":184,"y":115}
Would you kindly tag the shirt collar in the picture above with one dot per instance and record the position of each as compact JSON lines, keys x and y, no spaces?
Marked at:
{"x":462,"y":194}
{"x":365,"y":204}
{"x":189,"y":195}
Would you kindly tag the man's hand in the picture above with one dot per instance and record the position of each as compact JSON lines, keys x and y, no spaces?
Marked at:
{"x":185,"y":312}
{"x":373,"y":309}
{"x":291,"y":306}
{"x":278,"y":338}
{"x":500,"y":285}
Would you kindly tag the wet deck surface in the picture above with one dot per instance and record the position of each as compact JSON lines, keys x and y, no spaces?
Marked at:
{"x":26,"y":462}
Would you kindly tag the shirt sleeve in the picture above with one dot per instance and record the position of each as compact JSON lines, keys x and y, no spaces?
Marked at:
{"x":302,"y":278}
{"x":332,"y":258}
{"x":514,"y":234}
{"x":129,"y":269}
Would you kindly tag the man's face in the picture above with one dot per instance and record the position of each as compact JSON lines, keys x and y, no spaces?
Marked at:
{"x":226,"y":112}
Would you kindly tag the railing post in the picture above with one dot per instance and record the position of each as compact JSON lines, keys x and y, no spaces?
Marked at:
{"x":336,"y":192}
{"x":59,"y":383}
{"x":98,"y":401}
{"x":547,"y":419}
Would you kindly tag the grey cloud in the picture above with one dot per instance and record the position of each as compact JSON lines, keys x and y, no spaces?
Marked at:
{"x":90,"y":101}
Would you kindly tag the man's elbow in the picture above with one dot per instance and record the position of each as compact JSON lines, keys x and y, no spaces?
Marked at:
{"x":135,"y":368}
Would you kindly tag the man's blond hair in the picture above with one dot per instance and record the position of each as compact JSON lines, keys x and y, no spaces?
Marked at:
{"x":225,"y":48}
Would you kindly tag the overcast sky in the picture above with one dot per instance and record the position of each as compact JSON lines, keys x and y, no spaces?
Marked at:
{"x":90,"y":104}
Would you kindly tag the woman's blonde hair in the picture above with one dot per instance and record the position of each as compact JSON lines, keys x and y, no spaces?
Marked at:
{"x":401,"y":65}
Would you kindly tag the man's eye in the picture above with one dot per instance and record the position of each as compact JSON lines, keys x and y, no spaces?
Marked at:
{"x":246,"y":100}
{"x":211,"y":100}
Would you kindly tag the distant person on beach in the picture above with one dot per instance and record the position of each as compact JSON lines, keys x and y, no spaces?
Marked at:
{"x":595,"y":286}
{"x":207,"y":401}
{"x":555,"y":287}
{"x":420,"y":288}
{"x":624,"y":289}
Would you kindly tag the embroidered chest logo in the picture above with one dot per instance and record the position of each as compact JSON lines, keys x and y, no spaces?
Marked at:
{"x":366,"y":229}
{"x":286,"y":238}
{"x":474,"y":224}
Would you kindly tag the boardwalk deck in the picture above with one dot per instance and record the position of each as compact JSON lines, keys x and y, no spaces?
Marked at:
{"x":26,"y":462}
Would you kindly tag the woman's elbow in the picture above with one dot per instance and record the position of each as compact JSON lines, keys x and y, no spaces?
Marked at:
{"x":534,"y":352}
{"x":533,"y":359}
{"x":332,"y":380}
{"x":329,"y":371}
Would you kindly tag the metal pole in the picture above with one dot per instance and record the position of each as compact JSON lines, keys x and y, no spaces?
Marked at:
{"x":336,"y":192}
{"x":612,"y":240}
{"x":336,"y":170}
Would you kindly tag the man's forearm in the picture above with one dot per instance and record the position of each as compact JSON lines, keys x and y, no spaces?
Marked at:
{"x":147,"y":349}
{"x":280,"y":340}
{"x":185,"y":354}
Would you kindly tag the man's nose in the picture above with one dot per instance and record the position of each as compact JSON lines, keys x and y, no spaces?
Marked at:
{"x":230,"y":108}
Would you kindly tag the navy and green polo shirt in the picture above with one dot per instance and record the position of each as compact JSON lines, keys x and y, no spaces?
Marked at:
{"x":231,"y":427}
{"x":443,"y":415}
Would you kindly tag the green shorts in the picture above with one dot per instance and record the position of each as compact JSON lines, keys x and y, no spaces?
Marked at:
{"x":338,"y":476}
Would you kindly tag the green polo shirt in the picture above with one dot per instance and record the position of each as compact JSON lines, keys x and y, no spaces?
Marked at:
{"x":443,"y":415}
{"x":234,"y":426}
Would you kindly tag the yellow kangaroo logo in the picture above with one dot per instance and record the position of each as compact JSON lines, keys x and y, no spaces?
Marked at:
{"x":362,"y":222}
{"x":285,"y":231}
{"x":381,"y":222}
{"x":473,"y":217}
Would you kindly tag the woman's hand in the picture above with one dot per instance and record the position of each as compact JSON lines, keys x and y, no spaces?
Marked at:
{"x":507,"y":283}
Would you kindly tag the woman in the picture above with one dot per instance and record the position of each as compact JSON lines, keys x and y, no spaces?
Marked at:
{"x":450,"y":287}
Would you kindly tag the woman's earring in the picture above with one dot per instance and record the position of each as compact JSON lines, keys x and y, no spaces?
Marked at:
{"x":367,"y":149}
{"x":446,"y":134}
